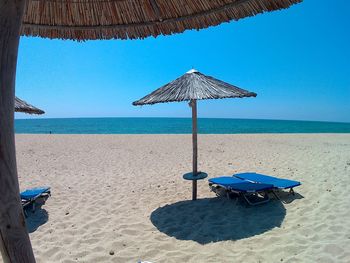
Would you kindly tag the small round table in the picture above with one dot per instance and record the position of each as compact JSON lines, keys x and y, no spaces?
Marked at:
{"x":198,"y":176}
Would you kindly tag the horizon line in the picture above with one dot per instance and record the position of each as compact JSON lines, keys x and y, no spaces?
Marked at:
{"x":225,"y":118}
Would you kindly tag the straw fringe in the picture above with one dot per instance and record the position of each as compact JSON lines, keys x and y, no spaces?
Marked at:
{"x":22,"y":106}
{"x":131,"y":19}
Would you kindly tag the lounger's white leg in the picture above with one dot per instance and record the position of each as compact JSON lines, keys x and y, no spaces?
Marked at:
{"x":265,"y":200}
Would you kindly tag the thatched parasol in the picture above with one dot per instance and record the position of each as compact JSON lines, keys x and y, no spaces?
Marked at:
{"x":191,"y":87}
{"x":22,"y":106}
{"x":82,"y":20}
{"x":131,"y":19}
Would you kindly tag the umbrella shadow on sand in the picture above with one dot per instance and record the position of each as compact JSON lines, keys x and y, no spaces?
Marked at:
{"x":36,"y":219}
{"x":216,"y":219}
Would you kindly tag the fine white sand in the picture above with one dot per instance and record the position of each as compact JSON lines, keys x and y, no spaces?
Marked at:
{"x":124,"y":195}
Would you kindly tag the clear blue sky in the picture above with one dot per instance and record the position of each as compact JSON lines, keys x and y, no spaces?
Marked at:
{"x":297,"y":60}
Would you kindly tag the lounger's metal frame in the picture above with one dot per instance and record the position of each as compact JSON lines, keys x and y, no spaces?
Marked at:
{"x":266,"y":197}
{"x":274,"y":192}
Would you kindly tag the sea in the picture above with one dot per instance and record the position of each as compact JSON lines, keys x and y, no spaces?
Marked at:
{"x":173,"y":126}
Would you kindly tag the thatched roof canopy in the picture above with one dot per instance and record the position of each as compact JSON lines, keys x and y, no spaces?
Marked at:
{"x":131,"y":19}
{"x":22,"y":106}
{"x":194,"y":86}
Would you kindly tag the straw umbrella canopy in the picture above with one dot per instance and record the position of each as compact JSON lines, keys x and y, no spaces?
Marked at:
{"x":132,"y":19}
{"x":83,"y":20}
{"x":22,"y":106}
{"x":191,"y":87}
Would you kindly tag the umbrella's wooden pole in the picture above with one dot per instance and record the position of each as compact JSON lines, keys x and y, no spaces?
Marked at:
{"x":195,"y":148}
{"x":14,"y":240}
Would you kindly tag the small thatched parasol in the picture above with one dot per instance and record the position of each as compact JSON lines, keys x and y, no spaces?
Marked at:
{"x":22,"y":106}
{"x":194,"y":86}
{"x":83,"y":20}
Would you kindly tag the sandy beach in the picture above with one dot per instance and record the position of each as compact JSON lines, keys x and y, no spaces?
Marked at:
{"x":121,"y":198}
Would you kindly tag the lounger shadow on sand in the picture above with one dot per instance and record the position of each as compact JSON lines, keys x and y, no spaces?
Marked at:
{"x":216,"y":219}
{"x":37,"y":219}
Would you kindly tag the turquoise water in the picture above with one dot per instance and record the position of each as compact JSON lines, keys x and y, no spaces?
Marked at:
{"x":173,"y":126}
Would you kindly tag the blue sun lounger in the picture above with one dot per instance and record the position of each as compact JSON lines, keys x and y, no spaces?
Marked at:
{"x":30,"y":196}
{"x":278,"y":183}
{"x":252,"y":193}
{"x":265,"y":179}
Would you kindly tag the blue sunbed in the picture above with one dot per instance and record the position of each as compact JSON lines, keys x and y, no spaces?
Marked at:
{"x":253,"y":193}
{"x":30,"y":196}
{"x":278,"y":183}
{"x":265,"y":179}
